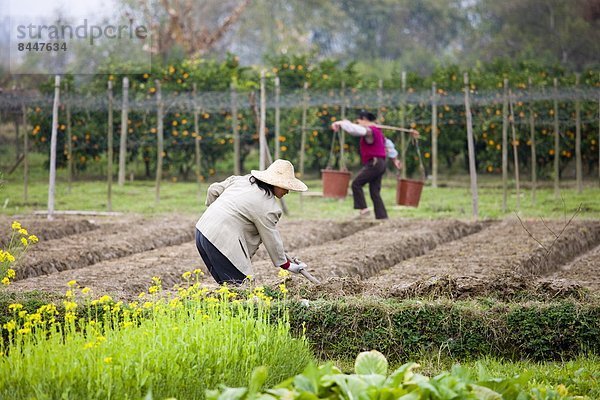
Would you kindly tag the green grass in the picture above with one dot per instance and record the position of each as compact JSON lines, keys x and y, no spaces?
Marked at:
{"x":452,"y":199}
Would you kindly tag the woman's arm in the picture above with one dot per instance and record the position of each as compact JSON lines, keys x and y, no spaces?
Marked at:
{"x":215,"y":190}
{"x":354,"y":129}
{"x":267,"y":229}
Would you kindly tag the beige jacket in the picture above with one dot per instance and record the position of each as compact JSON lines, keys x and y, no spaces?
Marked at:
{"x":239,"y":217}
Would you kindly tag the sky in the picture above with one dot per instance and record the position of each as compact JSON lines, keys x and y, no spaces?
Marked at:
{"x":45,"y":8}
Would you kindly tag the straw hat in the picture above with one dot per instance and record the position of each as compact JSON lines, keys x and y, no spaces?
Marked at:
{"x":280,"y":174}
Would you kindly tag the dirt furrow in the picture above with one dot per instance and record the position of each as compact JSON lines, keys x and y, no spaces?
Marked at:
{"x":47,"y":230}
{"x":584,"y":270}
{"x":368,"y":252}
{"x":110,"y":241}
{"x":503,"y":253}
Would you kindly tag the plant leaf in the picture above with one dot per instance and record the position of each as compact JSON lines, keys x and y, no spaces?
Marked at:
{"x":371,"y":362}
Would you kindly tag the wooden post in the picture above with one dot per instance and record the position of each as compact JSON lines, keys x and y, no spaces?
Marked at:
{"x":505,"y":145}
{"x":17,"y":155}
{"x":159,"y":139}
{"x":598,"y":143}
{"x":109,"y":147}
{"x":52,"y":179}
{"x":532,"y":139}
{"x":515,"y":145}
{"x":25,"y":153}
{"x":197,"y":149}
{"x":434,"y":136}
{"x":69,"y":139}
{"x":380,"y":101}
{"x":342,"y":164}
{"x":277,"y":143}
{"x":123,"y":143}
{"x":403,"y":125}
{"x":303,"y":139}
{"x":556,"y":142}
{"x":578,"y":166}
{"x":235,"y":129}
{"x":471,"y":147}
{"x":262,"y":137}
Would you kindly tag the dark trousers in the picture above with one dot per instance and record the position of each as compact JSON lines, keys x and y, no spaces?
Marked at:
{"x":370,"y":173}
{"x":218,"y":265}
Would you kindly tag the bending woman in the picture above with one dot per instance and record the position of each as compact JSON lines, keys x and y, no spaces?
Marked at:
{"x":242,"y":213}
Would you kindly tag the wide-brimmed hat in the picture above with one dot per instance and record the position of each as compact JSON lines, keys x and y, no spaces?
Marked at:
{"x":280,"y":174}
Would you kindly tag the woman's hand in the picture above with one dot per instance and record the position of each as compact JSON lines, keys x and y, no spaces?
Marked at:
{"x":335,"y":126}
{"x":296,"y":268}
{"x":414,"y":133}
{"x":397,"y":163}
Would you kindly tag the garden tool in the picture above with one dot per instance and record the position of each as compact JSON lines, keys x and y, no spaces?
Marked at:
{"x":304,"y":272}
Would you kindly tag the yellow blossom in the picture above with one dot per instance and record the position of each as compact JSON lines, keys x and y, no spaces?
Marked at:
{"x":33,"y":239}
{"x":107,"y":360}
{"x":23,"y":231}
{"x":15,"y":306}
{"x":16,"y":225}
{"x":283,"y":273}
{"x":5,"y":281}
{"x":105,"y":299}
{"x":24,"y":241}
{"x":10,"y":325}
{"x":283,"y":289}
{"x":24,"y":331}
{"x":72,"y":283}
{"x":85,"y":290}
{"x":186,"y":275}
{"x":10,"y":273}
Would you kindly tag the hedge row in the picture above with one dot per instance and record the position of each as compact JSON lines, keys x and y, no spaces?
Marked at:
{"x":404,"y":330}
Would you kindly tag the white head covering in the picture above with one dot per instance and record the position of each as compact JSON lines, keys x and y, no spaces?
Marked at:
{"x":280,"y":174}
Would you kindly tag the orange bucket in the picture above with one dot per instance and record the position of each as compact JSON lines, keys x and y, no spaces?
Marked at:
{"x":408,"y":192}
{"x":335,"y":183}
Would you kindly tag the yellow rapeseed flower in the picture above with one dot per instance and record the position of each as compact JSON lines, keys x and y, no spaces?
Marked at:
{"x":108,"y":360}
{"x":23,"y":231}
{"x":33,"y":239}
{"x":283,"y":273}
{"x":15,"y":306}
{"x":24,"y":331}
{"x":85,"y":290}
{"x":10,"y":325}
{"x":16,"y":225}
{"x":10,"y":273}
{"x":282,"y":288}
{"x":24,"y":242}
{"x":105,"y":299}
{"x":72,"y":283}
{"x":153,"y":289}
{"x":5,"y":281}
{"x":186,"y":275}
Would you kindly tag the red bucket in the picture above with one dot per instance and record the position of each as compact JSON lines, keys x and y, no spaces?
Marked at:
{"x":335,"y":183}
{"x":408,"y":192}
